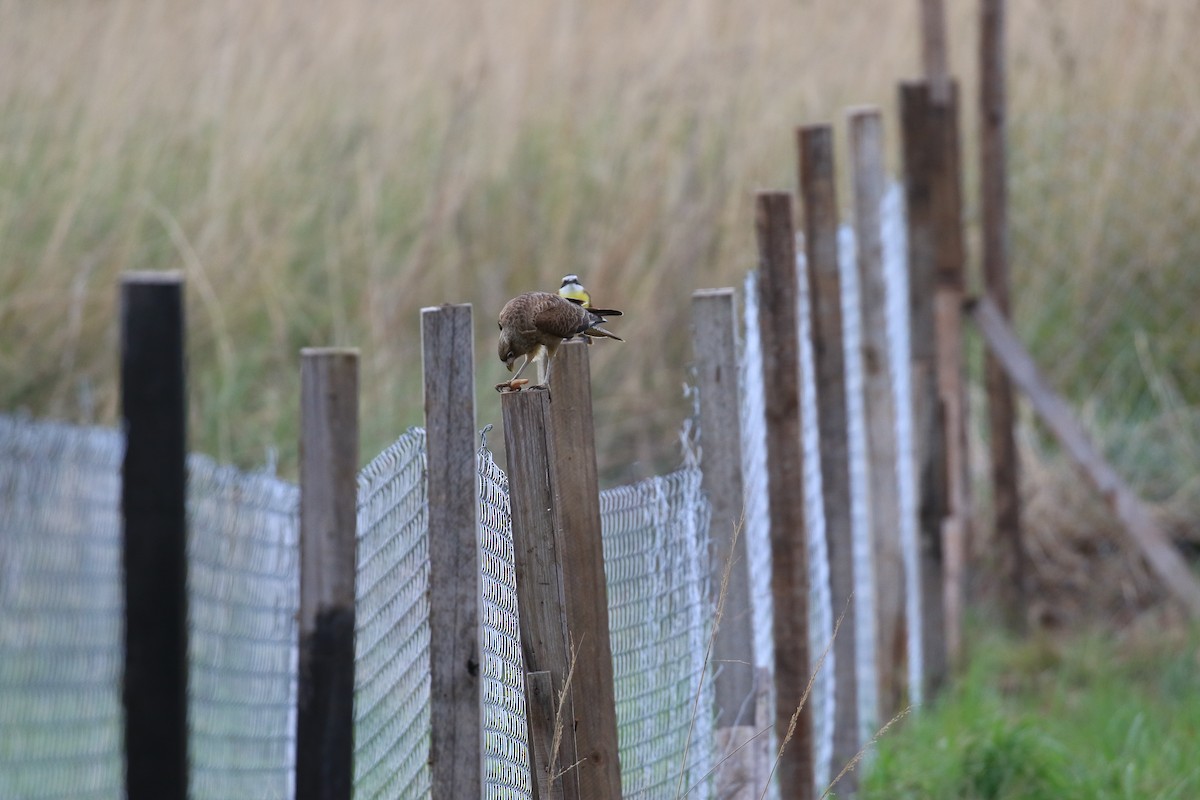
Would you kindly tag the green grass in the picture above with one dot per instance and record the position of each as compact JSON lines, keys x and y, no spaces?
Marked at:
{"x":1087,"y":716}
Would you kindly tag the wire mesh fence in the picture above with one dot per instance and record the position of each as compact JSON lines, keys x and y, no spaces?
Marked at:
{"x":660,"y":615}
{"x":243,"y":597}
{"x":505,"y":732}
{"x":60,"y":611}
{"x":61,"y":594}
{"x":391,"y":708}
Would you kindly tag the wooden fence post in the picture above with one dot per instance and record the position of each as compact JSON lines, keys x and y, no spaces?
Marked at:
{"x":714,"y":341}
{"x":866,"y":154}
{"x":540,"y":600}
{"x":777,"y":319}
{"x":935,"y":58}
{"x":456,"y":741}
{"x":154,"y":548}
{"x":993,"y":189}
{"x":328,"y":563}
{"x":814,"y":144}
{"x":929,"y":443}
{"x":937,"y":256}
{"x":577,"y":520}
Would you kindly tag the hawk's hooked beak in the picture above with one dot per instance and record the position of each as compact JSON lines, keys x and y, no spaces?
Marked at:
{"x":509,"y":363}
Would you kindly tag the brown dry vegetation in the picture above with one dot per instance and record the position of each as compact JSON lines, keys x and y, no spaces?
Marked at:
{"x":320,"y":171}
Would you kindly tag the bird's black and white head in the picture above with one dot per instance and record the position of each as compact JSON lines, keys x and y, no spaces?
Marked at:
{"x":573,"y":290}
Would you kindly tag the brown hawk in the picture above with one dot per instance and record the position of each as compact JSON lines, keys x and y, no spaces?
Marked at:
{"x":534,"y":324}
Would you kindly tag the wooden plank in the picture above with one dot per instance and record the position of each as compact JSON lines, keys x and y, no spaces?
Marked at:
{"x":154,"y":544}
{"x":870,"y":180}
{"x":577,"y":520}
{"x":993,"y":190}
{"x":778,"y":298}
{"x":715,"y":344}
{"x":935,"y":58}
{"x":814,"y":143}
{"x":537,"y":553}
{"x":1139,"y":523}
{"x":328,"y":562}
{"x":456,"y":739}
{"x":928,"y":435}
{"x":950,"y":269}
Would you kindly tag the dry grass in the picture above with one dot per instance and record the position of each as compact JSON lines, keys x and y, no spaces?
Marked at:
{"x":322,"y":170}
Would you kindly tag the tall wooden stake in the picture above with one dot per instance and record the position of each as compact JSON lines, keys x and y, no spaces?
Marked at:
{"x":866,"y":154}
{"x":714,"y":340}
{"x":328,"y":563}
{"x":816,"y":179}
{"x":777,"y":319}
{"x":537,"y":551}
{"x":924,"y":163}
{"x":154,"y":551}
{"x":456,"y":743}
{"x":577,"y":521}
{"x":993,"y":187}
{"x":935,"y":58}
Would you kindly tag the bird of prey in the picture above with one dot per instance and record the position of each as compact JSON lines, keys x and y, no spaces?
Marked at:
{"x":573,"y":290}
{"x":534,"y":324}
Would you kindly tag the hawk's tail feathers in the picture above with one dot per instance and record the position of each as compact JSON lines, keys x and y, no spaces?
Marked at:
{"x":596,"y":332}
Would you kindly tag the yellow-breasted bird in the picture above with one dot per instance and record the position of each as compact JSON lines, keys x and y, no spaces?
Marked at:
{"x":534,"y":324}
{"x":573,"y":290}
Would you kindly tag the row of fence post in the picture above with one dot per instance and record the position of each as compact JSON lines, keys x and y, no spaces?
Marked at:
{"x":154,"y":545}
{"x":555,"y":507}
{"x":935,"y":256}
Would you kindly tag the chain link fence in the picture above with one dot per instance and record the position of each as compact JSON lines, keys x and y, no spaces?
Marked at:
{"x":505,"y":731}
{"x":60,"y":604}
{"x":391,"y":670}
{"x":660,"y":617}
{"x":60,"y":611}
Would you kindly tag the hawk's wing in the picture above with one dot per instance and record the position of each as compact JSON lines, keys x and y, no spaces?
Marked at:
{"x":556,"y":316}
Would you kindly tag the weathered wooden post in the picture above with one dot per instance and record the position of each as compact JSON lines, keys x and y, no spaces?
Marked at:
{"x":816,"y":179}
{"x":577,"y":523}
{"x":714,"y":341}
{"x":936,"y":257}
{"x":866,"y":155}
{"x":778,"y":323}
{"x":328,"y":564}
{"x":154,"y":545}
{"x":456,"y":740}
{"x":540,"y":594}
{"x":935,"y":57}
{"x":993,"y":190}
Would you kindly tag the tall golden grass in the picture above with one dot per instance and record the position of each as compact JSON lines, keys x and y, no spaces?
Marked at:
{"x":320,"y":171}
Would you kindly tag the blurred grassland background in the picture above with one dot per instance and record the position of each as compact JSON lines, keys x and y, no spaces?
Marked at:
{"x":321,"y":171}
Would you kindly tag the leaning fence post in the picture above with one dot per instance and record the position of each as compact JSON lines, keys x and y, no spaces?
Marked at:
{"x":541,"y":607}
{"x":816,"y":179}
{"x":866,"y":153}
{"x":328,"y":508}
{"x":714,"y":341}
{"x":154,"y":548}
{"x":577,"y":518}
{"x":456,"y":740}
{"x":777,"y":318}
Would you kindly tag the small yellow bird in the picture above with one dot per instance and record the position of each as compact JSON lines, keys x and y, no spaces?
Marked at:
{"x":573,"y":290}
{"x":534,"y":324}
